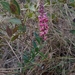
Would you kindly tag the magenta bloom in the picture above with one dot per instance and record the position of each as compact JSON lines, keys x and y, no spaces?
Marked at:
{"x":43,"y":26}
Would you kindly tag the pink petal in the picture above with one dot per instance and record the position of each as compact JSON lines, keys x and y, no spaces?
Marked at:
{"x":41,"y":28}
{"x":41,"y":34}
{"x":46,"y":31}
{"x":41,"y":24}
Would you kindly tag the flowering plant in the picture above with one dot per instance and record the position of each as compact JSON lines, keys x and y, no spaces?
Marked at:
{"x":43,"y":26}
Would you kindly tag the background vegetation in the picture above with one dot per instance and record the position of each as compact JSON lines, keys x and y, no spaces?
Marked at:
{"x":22,"y":50}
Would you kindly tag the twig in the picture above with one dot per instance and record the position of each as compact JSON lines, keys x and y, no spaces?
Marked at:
{"x":8,"y":72}
{"x":12,"y":50}
{"x":3,"y":69}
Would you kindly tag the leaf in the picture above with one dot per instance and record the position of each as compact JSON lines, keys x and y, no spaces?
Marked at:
{"x":14,"y":37}
{"x":37,"y":37}
{"x":15,"y":21}
{"x":37,"y":49}
{"x":32,"y":8}
{"x":22,"y":28}
{"x":42,"y":55}
{"x":71,"y":0}
{"x":72,"y":31}
{"x":17,"y":5}
{"x":48,"y":1}
{"x":15,"y":29}
{"x":53,"y":16}
{"x":13,"y":9}
{"x":30,"y":15}
{"x":5,"y":5}
{"x":63,"y":1}
{"x":26,"y":59}
{"x":34,"y":44}
{"x":72,"y":4}
{"x":9,"y":31}
{"x":26,"y":6}
{"x":33,"y":53}
{"x":28,"y":1}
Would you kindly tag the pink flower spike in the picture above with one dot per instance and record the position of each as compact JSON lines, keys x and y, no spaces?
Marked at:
{"x":40,"y":20}
{"x":41,"y":28}
{"x":46,"y":26}
{"x":41,"y":34}
{"x":45,"y":20}
{"x":39,"y":17}
{"x":46,"y":31}
{"x":41,"y":24}
{"x":45,"y":13}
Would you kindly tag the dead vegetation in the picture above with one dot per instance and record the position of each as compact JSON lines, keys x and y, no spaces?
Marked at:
{"x":59,"y":47}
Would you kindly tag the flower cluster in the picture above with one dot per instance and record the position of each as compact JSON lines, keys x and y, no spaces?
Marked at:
{"x":43,"y":26}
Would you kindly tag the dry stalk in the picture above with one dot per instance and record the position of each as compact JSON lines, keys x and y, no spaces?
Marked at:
{"x":12,"y":50}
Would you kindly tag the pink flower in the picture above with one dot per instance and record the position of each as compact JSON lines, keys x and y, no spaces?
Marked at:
{"x":46,"y":31}
{"x":40,"y":20}
{"x":45,"y":19}
{"x":46,"y":26}
{"x":43,"y":26}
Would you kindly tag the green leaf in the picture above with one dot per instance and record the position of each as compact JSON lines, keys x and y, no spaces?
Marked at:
{"x":72,"y":4}
{"x":37,"y":49}
{"x":33,"y":53}
{"x":42,"y":55}
{"x":17,"y":6}
{"x":71,"y":0}
{"x":32,"y":8}
{"x":30,"y":14}
{"x":34,"y":44}
{"x":72,"y":31}
{"x":28,"y":1}
{"x":37,"y":37}
{"x":15,"y":21}
{"x":62,"y":1}
{"x":53,"y":16}
{"x":6,"y":5}
{"x":22,"y":28}
{"x":25,"y":58}
{"x":48,"y":1}
{"x":14,"y":37}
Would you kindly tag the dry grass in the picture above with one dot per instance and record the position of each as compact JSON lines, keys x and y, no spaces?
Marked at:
{"x":59,"y":47}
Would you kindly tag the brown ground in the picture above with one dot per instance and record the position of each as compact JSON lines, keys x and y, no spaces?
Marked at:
{"x":60,"y":45}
